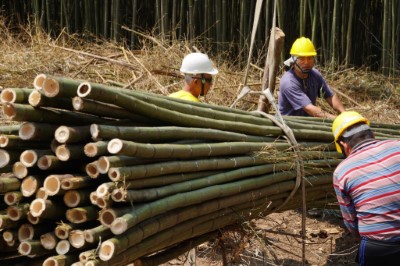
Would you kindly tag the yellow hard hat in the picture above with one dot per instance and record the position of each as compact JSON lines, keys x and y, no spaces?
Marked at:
{"x":303,"y":47}
{"x":343,"y":122}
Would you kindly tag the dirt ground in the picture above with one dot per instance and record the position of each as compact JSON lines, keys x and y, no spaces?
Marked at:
{"x":276,"y":240}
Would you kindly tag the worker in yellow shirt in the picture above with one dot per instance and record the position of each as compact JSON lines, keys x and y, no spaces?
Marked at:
{"x":198,"y":71}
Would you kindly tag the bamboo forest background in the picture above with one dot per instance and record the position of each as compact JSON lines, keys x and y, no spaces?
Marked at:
{"x":346,"y":32}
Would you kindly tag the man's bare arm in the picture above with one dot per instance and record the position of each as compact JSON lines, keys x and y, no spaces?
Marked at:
{"x":317,"y":112}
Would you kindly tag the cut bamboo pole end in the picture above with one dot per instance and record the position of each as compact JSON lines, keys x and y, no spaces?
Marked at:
{"x":31,"y":248}
{"x":30,"y":157}
{"x":75,"y":198}
{"x":115,"y":146}
{"x":38,"y":81}
{"x":52,"y":184}
{"x":13,"y":197}
{"x":50,"y":87}
{"x":107,"y":250}
{"x":41,"y":194}
{"x":32,"y":219}
{"x":47,"y":209}
{"x":30,"y":185}
{"x":19,"y":170}
{"x":97,"y":233}
{"x":4,"y":158}
{"x":48,"y":240}
{"x":14,"y":95}
{"x":67,"y":134}
{"x":87,"y":255}
{"x":63,"y":247}
{"x":97,"y":148}
{"x":10,"y":236}
{"x":77,"y":238}
{"x":25,"y":232}
{"x":91,"y":170}
{"x":82,"y":214}
{"x":119,"y":226}
{"x":18,"y":212}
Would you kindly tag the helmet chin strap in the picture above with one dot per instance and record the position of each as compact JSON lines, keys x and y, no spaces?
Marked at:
{"x":202,"y":85}
{"x":304,"y":71}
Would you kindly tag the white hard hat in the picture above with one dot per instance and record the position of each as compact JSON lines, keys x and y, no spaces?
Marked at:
{"x":197,"y":63}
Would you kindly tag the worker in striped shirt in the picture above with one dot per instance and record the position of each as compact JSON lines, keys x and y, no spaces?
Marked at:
{"x":367,"y":186}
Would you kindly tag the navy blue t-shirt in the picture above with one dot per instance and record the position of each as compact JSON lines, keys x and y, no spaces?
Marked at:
{"x":296,"y":93}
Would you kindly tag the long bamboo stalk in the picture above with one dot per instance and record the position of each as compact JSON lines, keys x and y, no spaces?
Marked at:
{"x":15,"y":95}
{"x":68,"y":134}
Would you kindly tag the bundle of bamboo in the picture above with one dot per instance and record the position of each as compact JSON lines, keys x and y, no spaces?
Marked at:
{"x":143,"y":173}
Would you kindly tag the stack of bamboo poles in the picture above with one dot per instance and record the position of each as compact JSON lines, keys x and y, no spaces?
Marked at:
{"x":98,"y":175}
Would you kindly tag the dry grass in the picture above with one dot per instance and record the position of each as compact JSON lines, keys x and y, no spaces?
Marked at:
{"x":155,"y":68}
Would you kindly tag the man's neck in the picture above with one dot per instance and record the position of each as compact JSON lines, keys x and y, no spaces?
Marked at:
{"x":300,"y":74}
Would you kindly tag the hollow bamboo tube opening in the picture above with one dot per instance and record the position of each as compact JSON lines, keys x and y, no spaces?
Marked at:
{"x":77,"y":238}
{"x":12,"y":198}
{"x":62,"y":134}
{"x":118,"y":195}
{"x":114,"y":174}
{"x":27,"y":131}
{"x":28,"y":158}
{"x":107,"y":217}
{"x":63,"y":246}
{"x":52,"y":184}
{"x":9,"y":111}
{"x":115,"y":146}
{"x":37,"y":207}
{"x":41,"y":193}
{"x":119,"y":226}
{"x":90,"y":149}
{"x":38,"y":81}
{"x":24,"y":248}
{"x":48,"y":240}
{"x":32,"y":219}
{"x":77,"y":103}
{"x":4,"y":158}
{"x":103,"y":164}
{"x":93,"y":197}
{"x":84,"y":89}
{"x":51,"y":87}
{"x":107,"y":250}
{"x":25,"y":232}
{"x":8,"y":236}
{"x":7,"y":96}
{"x":91,"y":169}
{"x":34,"y":99}
{"x":63,"y":153}
{"x":4,"y":140}
{"x":29,"y":186}
{"x":19,"y":170}
{"x":72,"y":198}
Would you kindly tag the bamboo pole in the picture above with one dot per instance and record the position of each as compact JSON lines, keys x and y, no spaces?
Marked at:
{"x":15,"y":95}
{"x":68,"y":134}
{"x":94,"y":149}
{"x":38,"y":99}
{"x":82,"y":214}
